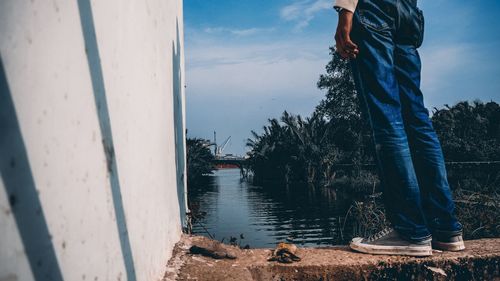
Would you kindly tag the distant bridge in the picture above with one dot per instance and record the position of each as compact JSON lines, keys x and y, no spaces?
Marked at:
{"x":232,"y":162}
{"x":236,"y":161}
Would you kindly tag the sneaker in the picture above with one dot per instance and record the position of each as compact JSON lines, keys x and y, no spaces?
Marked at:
{"x":448,"y":241}
{"x":389,"y":242}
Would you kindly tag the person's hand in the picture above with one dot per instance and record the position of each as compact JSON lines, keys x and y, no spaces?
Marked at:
{"x":345,"y":47}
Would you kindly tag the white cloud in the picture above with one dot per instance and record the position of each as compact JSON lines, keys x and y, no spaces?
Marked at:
{"x":237,"y":32}
{"x":210,"y":53}
{"x":261,"y":69}
{"x":285,"y":77}
{"x":302,"y":12}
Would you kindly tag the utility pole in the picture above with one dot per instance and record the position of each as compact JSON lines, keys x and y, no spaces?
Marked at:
{"x":215,"y":143}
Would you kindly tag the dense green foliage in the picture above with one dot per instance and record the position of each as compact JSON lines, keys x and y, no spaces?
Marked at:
{"x":199,"y":159}
{"x":293,"y":150}
{"x":341,"y":108}
{"x":469,"y":132}
{"x":297,"y":149}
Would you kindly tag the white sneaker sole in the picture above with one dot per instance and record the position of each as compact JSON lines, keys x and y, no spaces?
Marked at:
{"x":422,"y":251}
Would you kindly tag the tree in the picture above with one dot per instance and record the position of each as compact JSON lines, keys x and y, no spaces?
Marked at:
{"x":341,"y":106}
{"x":199,"y":159}
{"x":469,"y":132}
{"x":314,"y":147}
{"x":340,"y":102}
{"x":306,"y":150}
{"x":272,"y":153}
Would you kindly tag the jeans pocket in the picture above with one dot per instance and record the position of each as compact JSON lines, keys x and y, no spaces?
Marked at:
{"x":371,"y":20}
{"x":421,"y":28}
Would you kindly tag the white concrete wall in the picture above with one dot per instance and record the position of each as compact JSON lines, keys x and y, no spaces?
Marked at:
{"x":91,"y":128}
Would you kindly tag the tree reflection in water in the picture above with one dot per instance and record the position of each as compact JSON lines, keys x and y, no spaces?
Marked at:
{"x":306,"y":215}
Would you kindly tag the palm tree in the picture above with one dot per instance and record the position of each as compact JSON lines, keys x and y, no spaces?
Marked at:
{"x":199,"y":159}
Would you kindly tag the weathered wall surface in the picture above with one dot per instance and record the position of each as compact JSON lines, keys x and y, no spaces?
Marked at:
{"x":91,"y":130}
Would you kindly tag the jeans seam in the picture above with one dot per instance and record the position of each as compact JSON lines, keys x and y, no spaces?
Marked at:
{"x":421,"y":26}
{"x":366,"y":23}
{"x":361,"y":92}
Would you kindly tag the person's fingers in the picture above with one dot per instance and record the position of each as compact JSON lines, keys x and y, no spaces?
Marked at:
{"x":349,"y":43}
{"x":345,"y":47}
{"x":343,"y":52}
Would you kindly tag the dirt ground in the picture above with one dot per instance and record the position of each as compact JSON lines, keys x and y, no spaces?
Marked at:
{"x":480,"y":261}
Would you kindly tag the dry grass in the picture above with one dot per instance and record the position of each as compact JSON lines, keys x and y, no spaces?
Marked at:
{"x":479,"y":213}
{"x":365,"y":218}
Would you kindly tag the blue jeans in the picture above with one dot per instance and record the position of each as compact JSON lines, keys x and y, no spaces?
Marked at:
{"x":386,"y":72}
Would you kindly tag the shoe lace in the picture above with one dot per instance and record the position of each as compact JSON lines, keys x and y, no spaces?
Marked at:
{"x":380,"y":234}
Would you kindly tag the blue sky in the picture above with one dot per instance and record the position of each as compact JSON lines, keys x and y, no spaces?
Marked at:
{"x":249,"y":60}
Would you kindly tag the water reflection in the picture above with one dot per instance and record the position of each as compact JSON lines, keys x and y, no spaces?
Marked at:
{"x":309,"y":216}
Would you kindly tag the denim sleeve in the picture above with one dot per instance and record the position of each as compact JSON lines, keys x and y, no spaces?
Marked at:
{"x":346,"y":4}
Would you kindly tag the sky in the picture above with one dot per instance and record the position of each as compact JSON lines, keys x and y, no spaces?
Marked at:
{"x":250,"y":60}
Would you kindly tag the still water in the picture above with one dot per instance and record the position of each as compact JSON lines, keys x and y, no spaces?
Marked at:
{"x":305,"y":215}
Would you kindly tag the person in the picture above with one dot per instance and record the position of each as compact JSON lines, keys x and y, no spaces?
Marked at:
{"x":381,"y":38}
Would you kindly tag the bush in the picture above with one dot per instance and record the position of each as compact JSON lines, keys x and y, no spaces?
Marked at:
{"x":199,"y":160}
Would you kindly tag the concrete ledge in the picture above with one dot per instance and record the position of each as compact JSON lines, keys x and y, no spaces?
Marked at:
{"x":481,"y":261}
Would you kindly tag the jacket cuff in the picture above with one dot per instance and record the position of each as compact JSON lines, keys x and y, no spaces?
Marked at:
{"x":346,"y":4}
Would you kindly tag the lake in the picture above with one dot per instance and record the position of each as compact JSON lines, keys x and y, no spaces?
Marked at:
{"x":304,"y":215}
